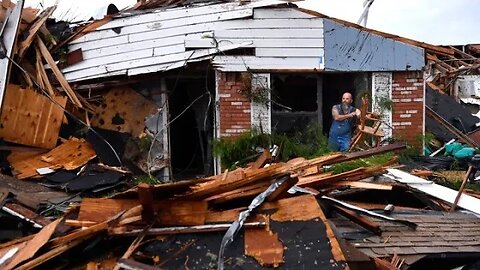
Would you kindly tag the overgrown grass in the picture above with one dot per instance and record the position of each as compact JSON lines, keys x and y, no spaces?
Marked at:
{"x":307,"y":143}
{"x":146,"y":179}
{"x":363,"y":162}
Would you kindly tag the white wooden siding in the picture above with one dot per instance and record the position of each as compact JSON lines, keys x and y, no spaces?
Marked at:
{"x":266,"y":13}
{"x":244,"y":63}
{"x":163,"y":40}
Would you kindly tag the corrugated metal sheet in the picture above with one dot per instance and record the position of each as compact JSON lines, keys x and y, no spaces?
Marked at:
{"x":352,"y":49}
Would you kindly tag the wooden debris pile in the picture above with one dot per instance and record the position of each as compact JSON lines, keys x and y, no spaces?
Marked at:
{"x":279,"y":194}
{"x":39,"y":105}
{"x":451,"y":62}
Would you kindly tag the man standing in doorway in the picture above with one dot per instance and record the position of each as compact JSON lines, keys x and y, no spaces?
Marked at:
{"x":344,"y":122}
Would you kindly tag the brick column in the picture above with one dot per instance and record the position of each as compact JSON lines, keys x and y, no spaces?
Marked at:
{"x":234,"y":107}
{"x":408,"y":106}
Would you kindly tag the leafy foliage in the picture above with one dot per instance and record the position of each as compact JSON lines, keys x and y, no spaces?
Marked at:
{"x":364,"y":162}
{"x":308,"y":143}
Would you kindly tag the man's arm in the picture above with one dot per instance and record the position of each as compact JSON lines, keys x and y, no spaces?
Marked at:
{"x":340,"y":117}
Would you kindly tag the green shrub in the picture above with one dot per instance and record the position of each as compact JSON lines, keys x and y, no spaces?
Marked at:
{"x":237,"y":152}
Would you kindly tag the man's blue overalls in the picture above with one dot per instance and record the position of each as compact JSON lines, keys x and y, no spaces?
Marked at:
{"x":340,"y":134}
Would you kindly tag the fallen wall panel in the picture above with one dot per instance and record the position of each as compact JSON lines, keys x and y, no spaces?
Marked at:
{"x":30,"y":118}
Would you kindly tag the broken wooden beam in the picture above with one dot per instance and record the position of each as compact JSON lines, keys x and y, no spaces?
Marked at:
{"x":58,"y":74}
{"x":123,"y":231}
{"x":450,"y":127}
{"x":360,"y":220}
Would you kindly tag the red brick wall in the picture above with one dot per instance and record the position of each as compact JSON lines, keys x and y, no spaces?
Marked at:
{"x":408,"y":106}
{"x":234,"y":107}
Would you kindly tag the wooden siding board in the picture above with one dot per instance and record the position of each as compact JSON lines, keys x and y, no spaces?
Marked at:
{"x":289,"y":52}
{"x":350,"y":49}
{"x":111,"y":59}
{"x":263,"y":13}
{"x":131,"y":46}
{"x":166,"y":25}
{"x":166,"y":60}
{"x":102,"y":57}
{"x":270,"y":33}
{"x":79,"y":76}
{"x":242,"y":63}
{"x":257,"y":43}
{"x":184,"y":12}
{"x":95,"y":44}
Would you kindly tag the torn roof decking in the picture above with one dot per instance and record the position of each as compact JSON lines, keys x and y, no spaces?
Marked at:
{"x":283,"y":39}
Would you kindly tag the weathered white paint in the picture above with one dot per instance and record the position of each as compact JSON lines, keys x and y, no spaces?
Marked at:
{"x":381,"y":93}
{"x":270,"y":33}
{"x":10,"y":27}
{"x":260,"y":112}
{"x":289,"y":52}
{"x":164,"y":61}
{"x":111,"y":59}
{"x":128,"y":47}
{"x":217,"y":165}
{"x":244,"y":63}
{"x":165,"y":40}
{"x":164,"y":25}
{"x":206,"y":42}
{"x":183,"y":12}
{"x":263,"y":13}
{"x":467,"y":87}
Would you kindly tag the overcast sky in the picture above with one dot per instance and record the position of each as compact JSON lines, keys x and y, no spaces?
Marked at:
{"x":433,"y":21}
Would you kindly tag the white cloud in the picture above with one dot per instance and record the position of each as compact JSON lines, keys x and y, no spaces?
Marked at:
{"x":433,"y":21}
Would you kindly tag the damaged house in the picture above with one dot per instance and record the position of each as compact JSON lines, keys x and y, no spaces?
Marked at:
{"x":144,"y":91}
{"x":227,"y":67}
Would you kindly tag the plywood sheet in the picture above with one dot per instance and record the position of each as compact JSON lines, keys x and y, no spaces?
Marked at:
{"x":123,"y":110}
{"x":295,"y":209}
{"x":264,"y":245}
{"x":34,"y":244}
{"x":30,"y":118}
{"x":167,"y":212}
{"x":70,"y":155}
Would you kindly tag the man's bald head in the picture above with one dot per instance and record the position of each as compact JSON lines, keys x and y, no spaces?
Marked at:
{"x":347,"y":98}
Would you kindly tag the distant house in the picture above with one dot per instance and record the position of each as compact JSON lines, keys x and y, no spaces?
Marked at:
{"x":224,"y":55}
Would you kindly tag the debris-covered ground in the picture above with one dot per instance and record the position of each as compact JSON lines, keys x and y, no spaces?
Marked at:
{"x":87,"y":181}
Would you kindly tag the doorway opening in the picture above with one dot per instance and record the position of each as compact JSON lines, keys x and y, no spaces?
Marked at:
{"x":190,"y":107}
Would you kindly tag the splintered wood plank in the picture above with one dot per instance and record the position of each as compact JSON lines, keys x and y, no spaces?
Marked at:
{"x":33,"y":245}
{"x":360,"y":220}
{"x":70,"y":155}
{"x":30,"y":118}
{"x":264,"y":245}
{"x":282,"y":191}
{"x":42,"y":74}
{"x":34,"y":28}
{"x":294,"y":209}
{"x":324,"y":179}
{"x":239,"y":193}
{"x":27,"y":213}
{"x":223,"y":216}
{"x":364,"y":185}
{"x":251,"y":177}
{"x":123,"y":110}
{"x":171,"y":212}
{"x":181,"y":212}
{"x":58,"y":74}
{"x":99,"y":210}
{"x":262,"y":159}
{"x":19,"y":155}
